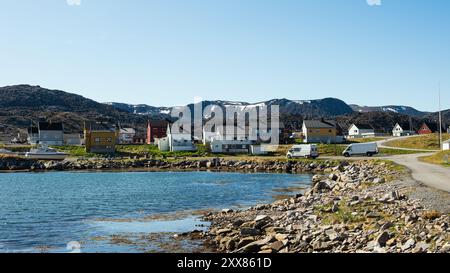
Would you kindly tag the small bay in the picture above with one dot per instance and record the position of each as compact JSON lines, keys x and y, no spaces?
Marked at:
{"x":46,"y":211}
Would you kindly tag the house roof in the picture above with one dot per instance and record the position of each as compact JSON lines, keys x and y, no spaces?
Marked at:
{"x":425,"y":126}
{"x":49,"y":126}
{"x":100,"y":126}
{"x":127,"y":131}
{"x":319,"y":123}
{"x":363,"y":126}
{"x":158,"y":123}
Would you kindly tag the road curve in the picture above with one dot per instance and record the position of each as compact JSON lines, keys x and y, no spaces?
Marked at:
{"x":428,"y":174}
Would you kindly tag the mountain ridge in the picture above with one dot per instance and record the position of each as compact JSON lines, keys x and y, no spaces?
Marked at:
{"x":22,"y":103}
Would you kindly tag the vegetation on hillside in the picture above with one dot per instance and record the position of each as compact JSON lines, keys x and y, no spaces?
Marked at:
{"x":441,"y":158}
{"x":425,"y":142}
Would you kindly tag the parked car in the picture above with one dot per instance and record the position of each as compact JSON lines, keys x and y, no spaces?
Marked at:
{"x":306,"y":151}
{"x":368,"y":149}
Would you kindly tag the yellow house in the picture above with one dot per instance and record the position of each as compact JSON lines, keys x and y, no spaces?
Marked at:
{"x":100,"y":138}
{"x":320,"y":131}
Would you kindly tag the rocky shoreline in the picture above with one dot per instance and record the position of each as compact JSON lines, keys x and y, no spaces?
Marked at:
{"x":353,"y":208}
{"x":357,"y":206}
{"x":215,"y":164}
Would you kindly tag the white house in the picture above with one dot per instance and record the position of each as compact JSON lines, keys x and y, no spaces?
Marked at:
{"x":33,"y":135}
{"x":163,"y":144}
{"x":398,"y":131}
{"x":446,"y":145}
{"x":126,"y":135}
{"x":231,"y":146}
{"x":51,"y":133}
{"x":226,"y":133}
{"x":72,"y":139}
{"x":231,"y":139}
{"x":360,"y":131}
{"x":179,"y":139}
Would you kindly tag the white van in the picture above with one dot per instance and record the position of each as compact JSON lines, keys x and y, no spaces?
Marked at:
{"x":306,"y":150}
{"x":368,"y":149}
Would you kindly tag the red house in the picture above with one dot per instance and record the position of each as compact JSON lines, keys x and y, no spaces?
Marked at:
{"x":424,"y":130}
{"x":156,"y":129}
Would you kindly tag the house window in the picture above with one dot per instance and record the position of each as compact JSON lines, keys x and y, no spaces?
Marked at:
{"x":97,"y":139}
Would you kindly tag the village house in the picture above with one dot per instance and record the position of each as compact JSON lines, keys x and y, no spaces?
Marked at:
{"x":156,"y":129}
{"x":33,"y":135}
{"x":139,"y":139}
{"x":360,"y":131}
{"x":320,"y":131}
{"x":178,"y":139}
{"x":126,"y":135}
{"x":399,"y":132}
{"x":72,"y":139}
{"x":229,"y":139}
{"x":51,"y":133}
{"x":225,"y":132}
{"x":100,"y":138}
{"x":424,"y":130}
{"x":446,"y":145}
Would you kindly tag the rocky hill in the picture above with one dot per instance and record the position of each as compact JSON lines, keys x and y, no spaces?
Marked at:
{"x":398,"y":109}
{"x":329,"y":107}
{"x":21,"y":104}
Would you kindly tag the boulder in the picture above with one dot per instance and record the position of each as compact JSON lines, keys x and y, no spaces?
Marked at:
{"x":383,"y":238}
{"x":250,"y":232}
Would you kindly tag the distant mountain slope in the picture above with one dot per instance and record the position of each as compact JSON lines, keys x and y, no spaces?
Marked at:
{"x":399,"y":109}
{"x":22,"y":103}
{"x":384,"y":122}
{"x":329,"y":107}
{"x":140,"y":109}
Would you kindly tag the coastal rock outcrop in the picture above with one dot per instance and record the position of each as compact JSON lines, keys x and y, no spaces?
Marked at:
{"x":350,"y":210}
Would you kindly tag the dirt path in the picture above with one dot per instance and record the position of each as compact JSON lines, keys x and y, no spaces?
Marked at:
{"x":431,"y":175}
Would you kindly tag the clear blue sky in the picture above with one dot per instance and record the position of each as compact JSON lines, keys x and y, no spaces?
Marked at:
{"x":168,"y":52}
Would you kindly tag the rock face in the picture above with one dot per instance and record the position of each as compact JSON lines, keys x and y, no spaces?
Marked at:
{"x":353,"y":208}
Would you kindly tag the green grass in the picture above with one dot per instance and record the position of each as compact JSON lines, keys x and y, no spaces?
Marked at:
{"x":342,"y":216}
{"x":131,"y":151}
{"x":16,"y":148}
{"x":441,"y":158}
{"x":387,"y":151}
{"x":331,"y":149}
{"x":366,"y":140}
{"x":425,"y":142}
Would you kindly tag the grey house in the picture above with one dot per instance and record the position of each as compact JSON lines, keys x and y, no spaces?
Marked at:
{"x":33,"y":135}
{"x":51,"y":133}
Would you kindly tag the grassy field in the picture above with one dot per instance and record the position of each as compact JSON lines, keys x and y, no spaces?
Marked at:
{"x":131,"y":151}
{"x":366,"y":140}
{"x":324,"y":149}
{"x":387,"y":151}
{"x":425,"y":142}
{"x":16,"y":148}
{"x":441,"y":158}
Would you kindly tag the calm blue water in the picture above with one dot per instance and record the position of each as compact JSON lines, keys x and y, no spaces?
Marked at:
{"x":51,"y":209}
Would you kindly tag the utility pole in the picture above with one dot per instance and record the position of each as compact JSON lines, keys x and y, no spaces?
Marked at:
{"x":440,"y":118}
